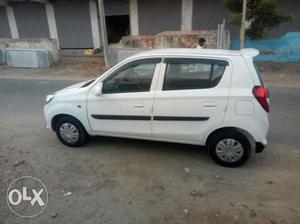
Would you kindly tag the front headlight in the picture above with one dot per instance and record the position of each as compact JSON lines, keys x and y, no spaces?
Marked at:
{"x":49,"y":98}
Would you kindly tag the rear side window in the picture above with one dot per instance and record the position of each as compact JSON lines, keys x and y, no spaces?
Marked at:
{"x":184,"y":74}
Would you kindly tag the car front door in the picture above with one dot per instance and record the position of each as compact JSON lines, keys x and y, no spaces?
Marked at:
{"x":125,"y":106}
{"x":191,"y":98}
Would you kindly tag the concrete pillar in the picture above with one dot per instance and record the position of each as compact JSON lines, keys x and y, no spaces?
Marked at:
{"x":51,"y":22}
{"x":103,"y":32}
{"x":134,"y":18}
{"x":12,"y":22}
{"x":94,"y":24}
{"x":187,"y":15}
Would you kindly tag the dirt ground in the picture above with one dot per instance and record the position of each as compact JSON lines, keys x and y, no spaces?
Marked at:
{"x":130,"y":181}
{"x":67,"y":67}
{"x":281,"y":74}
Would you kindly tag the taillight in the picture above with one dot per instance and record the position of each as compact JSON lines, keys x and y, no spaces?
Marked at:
{"x":261,"y":93}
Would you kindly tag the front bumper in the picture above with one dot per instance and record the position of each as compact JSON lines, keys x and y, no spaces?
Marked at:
{"x":47,"y":117}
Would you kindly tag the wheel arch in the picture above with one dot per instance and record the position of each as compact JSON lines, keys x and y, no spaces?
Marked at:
{"x":57,"y":117}
{"x":232,"y":129}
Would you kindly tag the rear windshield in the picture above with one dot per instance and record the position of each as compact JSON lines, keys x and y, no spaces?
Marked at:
{"x":258,"y":73}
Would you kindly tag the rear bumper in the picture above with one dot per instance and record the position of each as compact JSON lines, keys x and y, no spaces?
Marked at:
{"x":259,"y":147}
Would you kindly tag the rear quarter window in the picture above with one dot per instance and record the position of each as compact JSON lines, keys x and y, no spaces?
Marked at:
{"x":258,"y":72}
{"x":185,"y":74}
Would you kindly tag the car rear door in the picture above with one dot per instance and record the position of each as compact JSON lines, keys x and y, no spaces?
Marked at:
{"x":191,"y":98}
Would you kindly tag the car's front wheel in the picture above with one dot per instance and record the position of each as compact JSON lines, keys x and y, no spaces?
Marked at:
{"x":229,"y":149}
{"x":71,"y":132}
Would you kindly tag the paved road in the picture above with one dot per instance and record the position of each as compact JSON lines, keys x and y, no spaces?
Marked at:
{"x":131,"y":181}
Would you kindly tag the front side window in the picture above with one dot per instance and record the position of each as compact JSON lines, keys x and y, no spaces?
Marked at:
{"x":133,"y":77}
{"x":184,"y":74}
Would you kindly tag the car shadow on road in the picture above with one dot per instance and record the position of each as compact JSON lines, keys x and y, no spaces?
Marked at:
{"x":177,"y":151}
{"x":116,"y":143}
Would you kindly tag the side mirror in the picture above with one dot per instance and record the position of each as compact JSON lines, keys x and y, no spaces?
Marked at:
{"x":98,"y":89}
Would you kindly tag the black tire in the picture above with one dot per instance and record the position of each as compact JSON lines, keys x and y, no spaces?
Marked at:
{"x":238,"y":138}
{"x":82,"y":134}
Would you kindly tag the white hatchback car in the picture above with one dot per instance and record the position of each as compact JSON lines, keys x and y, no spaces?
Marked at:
{"x":213,"y":98}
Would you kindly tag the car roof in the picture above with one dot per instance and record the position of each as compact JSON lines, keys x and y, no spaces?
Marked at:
{"x":197,"y":52}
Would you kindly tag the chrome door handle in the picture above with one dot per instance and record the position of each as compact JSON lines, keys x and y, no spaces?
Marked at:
{"x":138,"y":105}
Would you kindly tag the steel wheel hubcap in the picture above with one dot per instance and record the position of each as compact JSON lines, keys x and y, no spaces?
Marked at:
{"x":229,"y":150}
{"x":69,"y":132}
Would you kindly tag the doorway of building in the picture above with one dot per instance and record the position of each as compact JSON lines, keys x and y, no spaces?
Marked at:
{"x":117,"y":26}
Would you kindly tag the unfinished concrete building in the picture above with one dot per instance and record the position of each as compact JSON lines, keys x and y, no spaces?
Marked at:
{"x":75,"y":23}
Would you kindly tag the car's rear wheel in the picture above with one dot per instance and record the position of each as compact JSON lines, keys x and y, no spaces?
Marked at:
{"x":71,"y":132}
{"x":229,"y":149}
